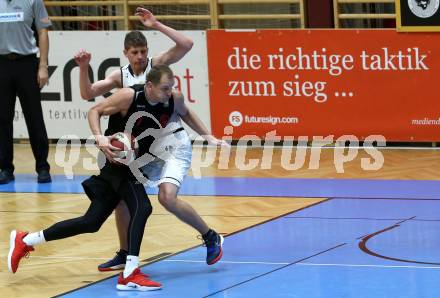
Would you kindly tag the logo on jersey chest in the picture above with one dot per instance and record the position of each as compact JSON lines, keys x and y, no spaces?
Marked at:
{"x":10,"y":17}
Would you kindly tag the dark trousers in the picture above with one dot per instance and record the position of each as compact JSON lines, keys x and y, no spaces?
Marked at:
{"x":103,"y":201}
{"x":19,"y":78}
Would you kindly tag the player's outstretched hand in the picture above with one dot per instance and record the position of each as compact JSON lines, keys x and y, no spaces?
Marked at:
{"x":146,"y":17}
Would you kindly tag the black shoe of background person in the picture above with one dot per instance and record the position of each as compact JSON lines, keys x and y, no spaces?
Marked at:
{"x":6,"y":177}
{"x":44,"y":176}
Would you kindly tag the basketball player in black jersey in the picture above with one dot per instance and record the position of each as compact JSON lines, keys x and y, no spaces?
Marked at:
{"x":116,"y":181}
{"x":174,"y":170}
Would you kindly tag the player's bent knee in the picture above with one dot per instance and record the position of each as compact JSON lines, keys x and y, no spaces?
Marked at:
{"x":167,"y":200}
{"x":93,"y":228}
{"x":91,"y":225}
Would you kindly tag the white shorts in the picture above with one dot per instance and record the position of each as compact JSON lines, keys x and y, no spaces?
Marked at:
{"x":174,"y":168}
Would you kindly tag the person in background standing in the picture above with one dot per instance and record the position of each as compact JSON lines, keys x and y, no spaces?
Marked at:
{"x":22,"y":74}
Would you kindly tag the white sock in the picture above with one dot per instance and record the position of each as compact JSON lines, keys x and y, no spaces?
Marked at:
{"x":131,"y":264}
{"x":34,"y":238}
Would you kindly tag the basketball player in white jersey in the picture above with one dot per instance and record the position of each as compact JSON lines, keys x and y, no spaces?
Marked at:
{"x":169,"y":174}
{"x":136,"y":51}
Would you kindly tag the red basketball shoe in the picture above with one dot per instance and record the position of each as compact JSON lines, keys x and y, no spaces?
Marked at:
{"x":137,"y":281}
{"x":17,"y":249}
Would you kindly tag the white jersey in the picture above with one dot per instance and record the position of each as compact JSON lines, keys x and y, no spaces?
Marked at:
{"x":129,"y":79}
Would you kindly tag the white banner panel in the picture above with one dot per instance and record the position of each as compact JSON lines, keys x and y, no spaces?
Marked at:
{"x":65,"y":113}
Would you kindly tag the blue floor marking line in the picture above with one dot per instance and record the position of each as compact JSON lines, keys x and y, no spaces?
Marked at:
{"x":272,"y":187}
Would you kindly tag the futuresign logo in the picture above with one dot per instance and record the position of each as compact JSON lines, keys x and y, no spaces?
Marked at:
{"x":423,"y":8}
{"x":235,"y":118}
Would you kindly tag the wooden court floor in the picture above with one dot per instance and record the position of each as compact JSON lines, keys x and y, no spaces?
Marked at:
{"x":60,"y":266}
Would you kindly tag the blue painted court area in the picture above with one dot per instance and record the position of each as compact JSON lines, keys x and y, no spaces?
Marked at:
{"x":345,"y":247}
{"x":261,"y":187}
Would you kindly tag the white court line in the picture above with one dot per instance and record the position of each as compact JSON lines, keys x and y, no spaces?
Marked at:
{"x":366,"y":265}
{"x":255,"y":263}
{"x":227,"y":262}
{"x":66,"y":258}
{"x":310,"y":264}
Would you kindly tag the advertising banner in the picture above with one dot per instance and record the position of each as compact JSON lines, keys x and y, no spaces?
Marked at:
{"x":325,"y":82}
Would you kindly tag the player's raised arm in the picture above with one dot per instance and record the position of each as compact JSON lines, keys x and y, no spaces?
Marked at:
{"x":174,"y":54}
{"x":87,"y":89}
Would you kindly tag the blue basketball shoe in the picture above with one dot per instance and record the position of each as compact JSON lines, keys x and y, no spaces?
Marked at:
{"x":118,"y":262}
{"x":213,"y":242}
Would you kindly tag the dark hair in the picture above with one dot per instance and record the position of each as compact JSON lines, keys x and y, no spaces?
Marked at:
{"x":157,"y":71}
{"x":134,"y":39}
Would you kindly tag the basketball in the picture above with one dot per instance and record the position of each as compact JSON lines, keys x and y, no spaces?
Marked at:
{"x":127,"y":146}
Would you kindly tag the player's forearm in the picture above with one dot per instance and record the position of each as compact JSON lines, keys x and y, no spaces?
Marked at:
{"x":182,"y":42}
{"x":94,"y":118}
{"x":194,"y":122}
{"x":85,"y":86}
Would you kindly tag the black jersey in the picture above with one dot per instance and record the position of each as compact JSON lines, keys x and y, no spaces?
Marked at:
{"x":157,"y":116}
